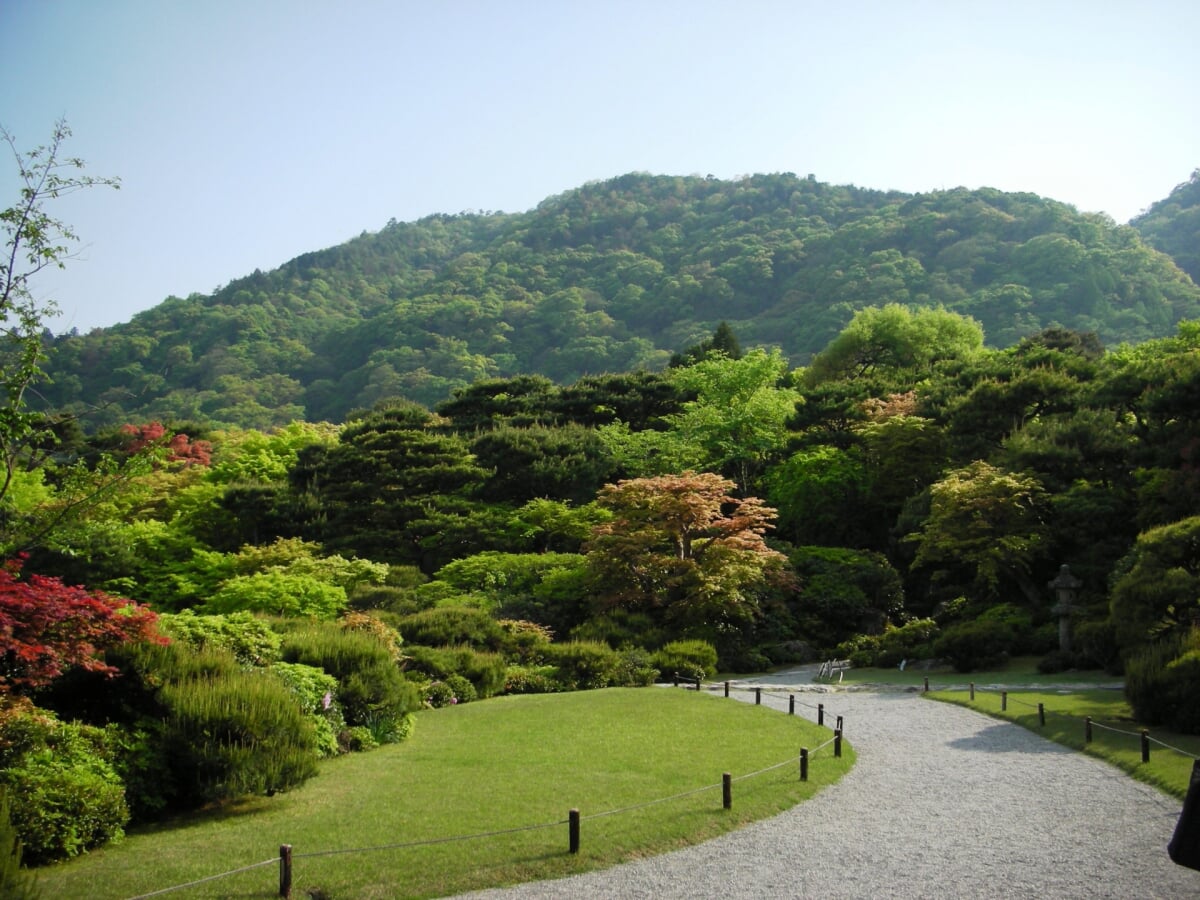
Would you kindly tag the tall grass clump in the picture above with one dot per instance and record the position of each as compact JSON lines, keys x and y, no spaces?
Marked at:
{"x":242,"y":733}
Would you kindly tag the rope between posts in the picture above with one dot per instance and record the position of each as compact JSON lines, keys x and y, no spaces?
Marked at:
{"x":786,"y":762}
{"x":1169,"y":747}
{"x":431,"y":841}
{"x":1096,"y":724}
{"x":179,"y":887}
{"x":623,"y":809}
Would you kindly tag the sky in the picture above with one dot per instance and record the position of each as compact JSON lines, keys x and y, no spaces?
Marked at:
{"x":248,"y":132}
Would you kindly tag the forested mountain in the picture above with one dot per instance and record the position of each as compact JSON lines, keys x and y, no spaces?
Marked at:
{"x":611,"y":277}
{"x":1173,"y":225}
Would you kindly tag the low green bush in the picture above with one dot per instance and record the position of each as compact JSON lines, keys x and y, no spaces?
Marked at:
{"x":695,"y":659}
{"x":445,"y":626}
{"x":16,"y":883}
{"x":1162,"y":682}
{"x":370,"y":684}
{"x":980,"y":644}
{"x":912,"y":640}
{"x":65,"y":794}
{"x":464,"y":691}
{"x":316,"y":693}
{"x":485,"y":671}
{"x":243,"y":733}
{"x":249,"y":638}
{"x":586,"y":665}
{"x":532,"y":680}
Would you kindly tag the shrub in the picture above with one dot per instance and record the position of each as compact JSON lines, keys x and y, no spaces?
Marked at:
{"x":532,"y":680}
{"x":1162,"y":682}
{"x":65,"y":795}
{"x":445,"y":626}
{"x":1096,"y":643}
{"x":696,"y":659}
{"x":912,"y":640}
{"x":248,"y":638}
{"x":1058,"y":661}
{"x":316,"y":694}
{"x":862,"y":650}
{"x":242,"y":733}
{"x":524,"y":640}
{"x":969,"y":646}
{"x":485,"y":671}
{"x":586,"y":665}
{"x":370,"y":685}
{"x":15,"y":882}
{"x":637,"y":667}
{"x":278,"y":593}
{"x":464,"y":691}
{"x":439,"y":694}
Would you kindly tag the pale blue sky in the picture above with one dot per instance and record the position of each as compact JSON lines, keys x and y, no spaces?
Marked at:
{"x":247,"y":132}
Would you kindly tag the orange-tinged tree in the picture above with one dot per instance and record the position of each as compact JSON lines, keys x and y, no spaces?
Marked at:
{"x":683,"y":549}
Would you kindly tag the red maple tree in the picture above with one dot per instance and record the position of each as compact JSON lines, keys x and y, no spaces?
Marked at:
{"x":180,"y":448}
{"x":47,"y":628}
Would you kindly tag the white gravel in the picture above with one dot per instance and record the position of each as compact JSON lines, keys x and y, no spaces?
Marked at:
{"x":942,"y":803}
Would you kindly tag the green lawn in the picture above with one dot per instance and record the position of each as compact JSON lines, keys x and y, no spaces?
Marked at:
{"x":1019,"y":671}
{"x":1065,"y":723}
{"x":498,"y":766}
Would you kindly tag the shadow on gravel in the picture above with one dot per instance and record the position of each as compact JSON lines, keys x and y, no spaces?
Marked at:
{"x":1007,"y":739}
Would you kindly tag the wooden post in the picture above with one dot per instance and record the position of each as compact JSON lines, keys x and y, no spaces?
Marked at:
{"x":727,"y":790}
{"x":1087,"y":729}
{"x":839,"y":725}
{"x":1004,"y":701}
{"x":699,"y":684}
{"x":675,"y":680}
{"x":972,"y":692}
{"x":804,"y":764}
{"x":758,"y":696}
{"x":285,"y":870}
{"x":927,"y":684}
{"x":820,"y":713}
{"x":791,"y":704}
{"x":727,"y":689}
{"x":573,"y":829}
{"x":1042,"y":714}
{"x":837,"y":743}
{"x":1145,"y":745}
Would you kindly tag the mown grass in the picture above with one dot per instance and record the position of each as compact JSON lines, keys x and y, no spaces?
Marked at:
{"x":494,"y":768}
{"x":1116,"y":735}
{"x":1018,"y":671}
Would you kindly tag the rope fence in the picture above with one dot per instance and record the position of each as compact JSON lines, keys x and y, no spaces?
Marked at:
{"x":287,"y":858}
{"x":1086,"y":723}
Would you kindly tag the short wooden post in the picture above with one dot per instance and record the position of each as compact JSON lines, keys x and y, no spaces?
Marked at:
{"x":837,"y":743}
{"x":1042,"y":714}
{"x":573,"y":830}
{"x":285,"y":870}
{"x":1087,"y":729}
{"x":791,"y":704}
{"x":927,"y":684}
{"x":699,"y":684}
{"x":1145,"y":745}
{"x":727,"y":689}
{"x":838,"y":727}
{"x":972,"y":692}
{"x":1004,"y":701}
{"x":758,"y":696}
{"x":675,"y":680}
{"x":820,"y":713}
{"x":804,"y":764}
{"x":727,"y":791}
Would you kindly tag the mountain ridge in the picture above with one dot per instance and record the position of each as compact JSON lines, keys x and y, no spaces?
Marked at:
{"x":613,"y":276}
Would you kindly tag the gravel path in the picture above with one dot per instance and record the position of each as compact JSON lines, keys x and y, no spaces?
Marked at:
{"x":942,"y":803}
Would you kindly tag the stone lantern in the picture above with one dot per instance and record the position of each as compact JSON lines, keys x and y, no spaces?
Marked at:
{"x":1064,"y":586}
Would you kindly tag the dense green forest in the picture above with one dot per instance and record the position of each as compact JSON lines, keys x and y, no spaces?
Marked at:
{"x":574,"y":448}
{"x":614,"y":277}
